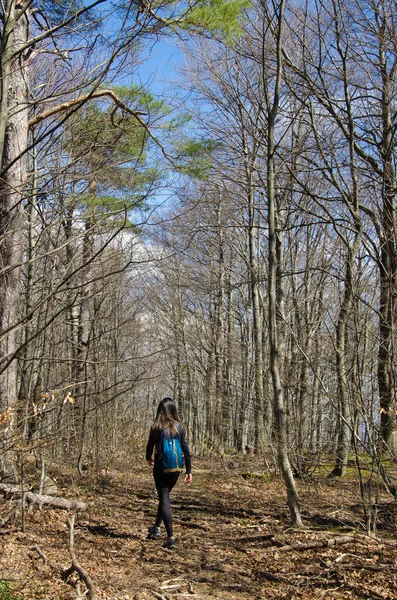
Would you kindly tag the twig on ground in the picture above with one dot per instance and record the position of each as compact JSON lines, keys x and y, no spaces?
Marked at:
{"x":8,"y":517}
{"x":192,"y":525}
{"x":271,"y":577}
{"x":45,"y":559}
{"x":257,"y":538}
{"x":366,"y":592}
{"x":170,"y":580}
{"x":348,"y":539}
{"x":75,"y":565}
{"x":376,"y":568}
{"x":8,"y":531}
{"x":173,"y":587}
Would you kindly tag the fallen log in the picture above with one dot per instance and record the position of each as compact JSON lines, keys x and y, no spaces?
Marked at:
{"x":41,"y":499}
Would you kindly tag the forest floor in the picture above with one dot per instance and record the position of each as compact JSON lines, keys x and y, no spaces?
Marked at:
{"x":233,"y":539}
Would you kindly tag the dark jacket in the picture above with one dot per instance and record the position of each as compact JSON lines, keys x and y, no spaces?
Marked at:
{"x":153,"y":440}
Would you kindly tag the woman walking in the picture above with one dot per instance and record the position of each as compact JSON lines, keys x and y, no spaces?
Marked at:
{"x":168,"y":440}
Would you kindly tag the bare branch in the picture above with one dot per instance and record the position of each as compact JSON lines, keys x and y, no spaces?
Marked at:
{"x":65,"y":106}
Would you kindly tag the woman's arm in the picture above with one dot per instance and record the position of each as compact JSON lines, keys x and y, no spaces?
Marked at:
{"x":186,"y":452}
{"x":149,"y":448}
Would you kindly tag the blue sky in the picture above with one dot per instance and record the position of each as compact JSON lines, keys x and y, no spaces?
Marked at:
{"x":158,"y":68}
{"x":160,"y":56}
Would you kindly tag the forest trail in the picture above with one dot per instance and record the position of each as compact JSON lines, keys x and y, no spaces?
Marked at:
{"x":233,"y":540}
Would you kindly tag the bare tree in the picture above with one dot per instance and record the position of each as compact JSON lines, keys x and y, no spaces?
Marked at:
{"x":275,"y":273}
{"x":364,"y":121}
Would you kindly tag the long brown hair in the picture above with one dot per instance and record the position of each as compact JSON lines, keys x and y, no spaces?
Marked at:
{"x":166,"y":417}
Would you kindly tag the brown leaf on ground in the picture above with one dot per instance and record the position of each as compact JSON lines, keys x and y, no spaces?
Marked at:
{"x":233,"y":541}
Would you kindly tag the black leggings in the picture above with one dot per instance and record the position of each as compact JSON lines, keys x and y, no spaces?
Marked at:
{"x":164,"y":484}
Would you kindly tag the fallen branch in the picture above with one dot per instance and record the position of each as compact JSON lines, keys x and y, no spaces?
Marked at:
{"x":41,"y":499}
{"x":16,"y":490}
{"x":176,"y":586}
{"x":357,"y":567}
{"x":8,"y":517}
{"x":173,"y":579}
{"x":257,"y":538}
{"x":271,"y":577}
{"x":45,"y":559}
{"x":192,"y":525}
{"x":76,"y":567}
{"x":365,"y":591}
{"x":348,"y":539}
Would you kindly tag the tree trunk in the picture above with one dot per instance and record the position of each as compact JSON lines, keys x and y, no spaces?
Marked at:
{"x":221,"y":408}
{"x":388,"y":253}
{"x":344,"y":420}
{"x":85,"y":329}
{"x":352,"y":202}
{"x":13,"y":129}
{"x":259,"y":408}
{"x":30,"y":367}
{"x":275,"y":296}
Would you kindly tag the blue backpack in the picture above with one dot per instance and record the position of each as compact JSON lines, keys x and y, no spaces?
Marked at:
{"x":170,"y":452}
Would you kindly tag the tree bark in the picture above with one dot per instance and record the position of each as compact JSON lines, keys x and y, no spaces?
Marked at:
{"x":40,"y":499}
{"x":352,"y":202}
{"x":275,"y":294}
{"x":388,"y":251}
{"x":13,"y":132}
{"x":262,"y":420}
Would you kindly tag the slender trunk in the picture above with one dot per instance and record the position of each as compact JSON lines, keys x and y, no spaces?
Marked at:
{"x":221,"y":406}
{"x":260,"y":417}
{"x":210,"y":387}
{"x":243,"y":421}
{"x":344,"y":419}
{"x":352,"y":202}
{"x":315,"y":412}
{"x":84,"y":334}
{"x":388,"y":256}
{"x":178,"y":361}
{"x":230,"y":414}
{"x":275,"y":296}
{"x":300,"y":348}
{"x":30,"y":377}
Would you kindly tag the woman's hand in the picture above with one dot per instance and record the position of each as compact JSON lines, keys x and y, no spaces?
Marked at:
{"x":188,"y":477}
{"x":151,"y":463}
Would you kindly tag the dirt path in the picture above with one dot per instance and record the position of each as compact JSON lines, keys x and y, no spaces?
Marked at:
{"x":233,"y":542}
